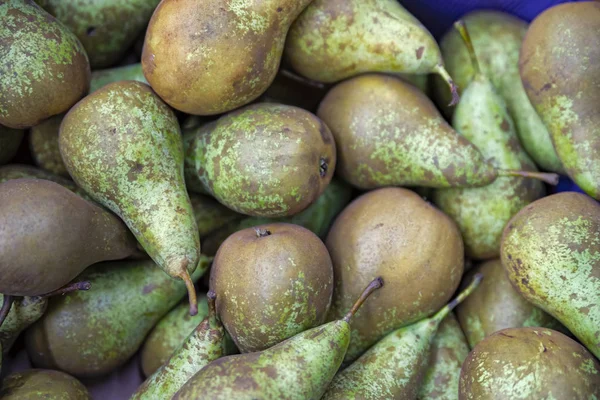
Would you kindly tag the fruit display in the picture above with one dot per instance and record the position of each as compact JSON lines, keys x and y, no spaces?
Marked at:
{"x":299,"y":200}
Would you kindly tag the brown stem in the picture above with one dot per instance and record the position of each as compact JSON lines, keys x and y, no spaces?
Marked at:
{"x":6,"y":305}
{"x":373,"y":286}
{"x":301,"y":79}
{"x":441,"y":71}
{"x":443,"y":313}
{"x":464,"y":33}
{"x":191,"y":289}
{"x":212,"y":308}
{"x":71,"y":287}
{"x":549,"y":178}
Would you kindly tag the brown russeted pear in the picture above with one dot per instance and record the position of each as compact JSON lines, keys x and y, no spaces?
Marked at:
{"x":190,"y":45}
{"x":46,"y":67}
{"x":10,"y":140}
{"x":122,"y":144}
{"x":395,"y":366}
{"x":50,"y":232}
{"x":551,"y":253}
{"x":388,"y":133}
{"x":413,"y":243}
{"x":560,"y":69}
{"x":336,"y":39}
{"x":529,"y":363}
{"x":299,"y":368}
{"x":35,"y":384}
{"x":265,"y":159}
{"x":481,"y":213}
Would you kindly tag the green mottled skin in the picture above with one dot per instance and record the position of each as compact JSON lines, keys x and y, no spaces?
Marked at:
{"x":388,"y":133}
{"x":43,"y":143}
{"x":317,"y":217}
{"x":448,"y":351}
{"x":420,"y":81}
{"x":35,"y":384}
{"x":123,"y":146}
{"x":496,"y":305}
{"x":262,"y":160}
{"x":257,"y":312}
{"x":190,"y":45}
{"x":106,"y":28}
{"x":481,"y":213}
{"x":210,"y":214}
{"x":560,"y":69}
{"x":529,"y":363}
{"x":336,"y":39}
{"x":10,"y":140}
{"x":92,"y":333}
{"x":497,"y":39}
{"x":103,"y":77}
{"x":299,"y":368}
{"x":49,"y":69}
{"x":551,"y":253}
{"x":23,"y":312}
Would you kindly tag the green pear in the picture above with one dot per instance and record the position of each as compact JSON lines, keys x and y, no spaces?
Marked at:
{"x":211,"y":215}
{"x":34,"y":384}
{"x":299,"y":368}
{"x":395,"y":366}
{"x":122,"y":144}
{"x":560,"y":69}
{"x":89,"y":334}
{"x":103,"y":77}
{"x":46,"y":69}
{"x":482,"y":213}
{"x":551,"y":253}
{"x":10,"y":140}
{"x":337,"y":39}
{"x":43,"y":143}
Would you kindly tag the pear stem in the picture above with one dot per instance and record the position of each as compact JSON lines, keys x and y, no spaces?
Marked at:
{"x":191,"y":289}
{"x":212,"y":308}
{"x":6,"y":305}
{"x":301,"y":79}
{"x":373,"y":286}
{"x":443,"y":313}
{"x":71,"y":287}
{"x":441,"y":71}
{"x":549,"y":178}
{"x":461,"y":27}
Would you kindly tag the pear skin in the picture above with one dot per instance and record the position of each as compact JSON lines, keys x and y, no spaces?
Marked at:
{"x":102,"y":77}
{"x":36,"y":384}
{"x":43,"y":143}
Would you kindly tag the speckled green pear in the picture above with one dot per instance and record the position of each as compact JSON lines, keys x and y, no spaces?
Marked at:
{"x":107,"y":28}
{"x":481,"y":213}
{"x":10,"y":140}
{"x":103,"y":77}
{"x":43,"y":143}
{"x":92,"y":333}
{"x":551,"y":253}
{"x":297,"y":369}
{"x":497,"y":39}
{"x":336,"y":39}
{"x":49,"y":69}
{"x":529,"y":363}
{"x":449,"y":349}
{"x":560,"y":70}
{"x":35,"y":384}
{"x":266,"y":159}
{"x":122,"y":144}
{"x":395,"y":366}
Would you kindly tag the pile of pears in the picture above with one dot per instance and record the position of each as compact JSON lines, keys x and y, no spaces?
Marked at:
{"x":298,"y":200}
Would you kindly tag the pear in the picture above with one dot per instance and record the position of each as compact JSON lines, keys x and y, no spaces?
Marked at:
{"x":388,"y":133}
{"x":123,"y":146}
{"x":10,"y":140}
{"x":89,"y":334}
{"x":107,"y":29}
{"x":561,"y":75}
{"x":257,"y":312}
{"x":482,"y":213}
{"x":190,"y":46}
{"x":337,"y":39}
{"x":49,"y":69}
{"x":103,"y":77}
{"x":34,"y":384}
{"x":211,"y":215}
{"x":265,"y":159}
{"x":294,"y":90}
{"x":205,"y":344}
{"x":413,"y":243}
{"x":43,"y":143}
{"x":496,"y":305}
{"x":497,"y":39}
{"x":299,"y":368}
{"x":394,"y":367}
{"x":529,"y":363}
{"x":449,"y":349}
{"x":50,"y":232}
{"x":551,"y":253}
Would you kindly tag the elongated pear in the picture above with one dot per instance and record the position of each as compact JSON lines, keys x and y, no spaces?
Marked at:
{"x":337,"y":39}
{"x":299,"y":368}
{"x":394,"y":367}
{"x":560,"y":69}
{"x":388,"y":133}
{"x":551,"y":253}
{"x":190,"y":47}
{"x":89,"y":334}
{"x":49,"y":235}
{"x":37,"y":384}
{"x":123,"y":146}
{"x":10,"y":140}
{"x":482,"y":213}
